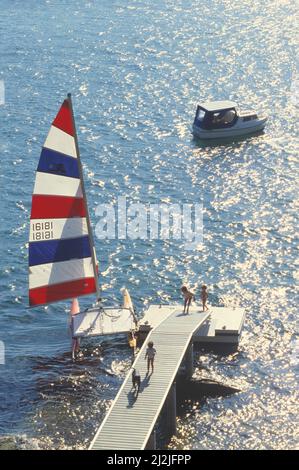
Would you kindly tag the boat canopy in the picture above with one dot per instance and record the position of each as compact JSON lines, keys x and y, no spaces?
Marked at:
{"x":216,"y":115}
{"x":213,"y":106}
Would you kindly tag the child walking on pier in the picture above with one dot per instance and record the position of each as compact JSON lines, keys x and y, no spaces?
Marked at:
{"x":150,"y":355}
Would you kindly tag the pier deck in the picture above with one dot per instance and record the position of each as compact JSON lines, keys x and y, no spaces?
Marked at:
{"x":129,"y":422}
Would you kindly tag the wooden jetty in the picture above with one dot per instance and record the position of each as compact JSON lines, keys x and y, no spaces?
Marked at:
{"x":130,"y":422}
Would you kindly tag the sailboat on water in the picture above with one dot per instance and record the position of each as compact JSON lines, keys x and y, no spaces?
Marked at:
{"x":62,"y":256}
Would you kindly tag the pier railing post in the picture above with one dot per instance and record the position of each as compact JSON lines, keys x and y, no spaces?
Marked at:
{"x":189,"y":362}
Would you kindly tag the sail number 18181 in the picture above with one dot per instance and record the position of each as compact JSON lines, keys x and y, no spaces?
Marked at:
{"x":42,"y":231}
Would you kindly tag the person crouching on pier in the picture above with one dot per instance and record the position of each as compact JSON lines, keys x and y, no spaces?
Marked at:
{"x":188,"y":297}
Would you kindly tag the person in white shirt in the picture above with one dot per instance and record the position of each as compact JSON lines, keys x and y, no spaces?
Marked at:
{"x":150,"y":355}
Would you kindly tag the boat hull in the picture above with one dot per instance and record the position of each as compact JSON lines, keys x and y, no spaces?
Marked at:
{"x":239,"y":129}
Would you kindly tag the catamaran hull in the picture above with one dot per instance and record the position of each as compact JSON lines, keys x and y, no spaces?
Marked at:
{"x":235,"y":131}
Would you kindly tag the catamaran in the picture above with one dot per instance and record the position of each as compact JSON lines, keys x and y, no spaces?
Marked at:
{"x":62,"y":257}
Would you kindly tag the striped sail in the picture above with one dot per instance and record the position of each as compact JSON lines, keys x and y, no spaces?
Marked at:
{"x":61,"y":255}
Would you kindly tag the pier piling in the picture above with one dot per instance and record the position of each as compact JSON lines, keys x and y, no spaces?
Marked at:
{"x":189,"y":362}
{"x":171,"y":410}
{"x":152,"y":442}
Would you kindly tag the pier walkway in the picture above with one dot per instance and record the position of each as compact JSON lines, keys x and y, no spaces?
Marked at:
{"x":129,"y":422}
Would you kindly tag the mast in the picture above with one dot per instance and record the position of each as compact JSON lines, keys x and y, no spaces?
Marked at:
{"x":91,"y":239}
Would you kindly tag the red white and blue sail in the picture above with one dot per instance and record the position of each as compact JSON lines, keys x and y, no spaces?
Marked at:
{"x":61,"y":252}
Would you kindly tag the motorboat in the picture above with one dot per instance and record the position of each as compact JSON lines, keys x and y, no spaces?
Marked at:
{"x":220,"y":119}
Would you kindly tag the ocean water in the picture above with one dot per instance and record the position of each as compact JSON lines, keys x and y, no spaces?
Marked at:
{"x":136,"y":71}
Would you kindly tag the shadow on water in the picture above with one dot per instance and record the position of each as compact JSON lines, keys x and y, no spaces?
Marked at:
{"x":199,"y":390}
{"x":191,"y":395}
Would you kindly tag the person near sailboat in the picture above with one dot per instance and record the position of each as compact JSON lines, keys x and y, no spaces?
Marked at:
{"x":75,"y":309}
{"x":132,"y":340}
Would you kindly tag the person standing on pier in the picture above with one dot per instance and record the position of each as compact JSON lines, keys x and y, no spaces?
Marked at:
{"x":132,"y":343}
{"x":188,"y":297}
{"x":150,"y":355}
{"x":204,"y":297}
